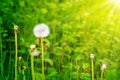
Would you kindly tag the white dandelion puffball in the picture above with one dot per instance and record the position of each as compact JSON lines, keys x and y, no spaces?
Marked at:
{"x":32,"y":46}
{"x":92,"y":56}
{"x":103,"y":66}
{"x":35,"y":53}
{"x":41,"y":30}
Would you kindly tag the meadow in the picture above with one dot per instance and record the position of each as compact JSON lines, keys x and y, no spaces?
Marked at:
{"x":59,"y":39}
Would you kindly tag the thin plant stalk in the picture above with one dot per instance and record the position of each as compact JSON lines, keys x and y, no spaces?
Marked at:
{"x":32,"y":67}
{"x":92,"y":61}
{"x":1,"y":53}
{"x":71,"y":68}
{"x":77,"y":69}
{"x":102,"y":74}
{"x":62,"y":57}
{"x":23,"y":74}
{"x":42,"y":46}
{"x":16,"y":54}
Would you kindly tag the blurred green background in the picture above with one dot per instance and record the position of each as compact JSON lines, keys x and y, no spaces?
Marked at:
{"x":77,"y":29}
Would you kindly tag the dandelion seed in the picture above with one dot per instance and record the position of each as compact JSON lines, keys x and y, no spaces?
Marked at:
{"x":41,"y":30}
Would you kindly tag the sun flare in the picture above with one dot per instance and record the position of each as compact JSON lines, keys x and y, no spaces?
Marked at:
{"x":116,"y":2}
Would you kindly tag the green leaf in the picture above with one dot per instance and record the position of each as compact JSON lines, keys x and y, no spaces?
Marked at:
{"x":51,"y":72}
{"x":50,"y":61}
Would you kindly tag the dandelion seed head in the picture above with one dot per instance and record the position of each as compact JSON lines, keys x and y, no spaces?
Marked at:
{"x":35,"y":53}
{"x":103,"y":66}
{"x":41,"y":30}
{"x":92,"y":56}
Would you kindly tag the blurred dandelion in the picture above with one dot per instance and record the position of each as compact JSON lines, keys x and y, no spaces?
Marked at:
{"x":103,"y":67}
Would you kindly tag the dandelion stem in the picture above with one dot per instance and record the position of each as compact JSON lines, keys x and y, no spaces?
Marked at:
{"x":32,"y":67}
{"x":92,"y":69}
{"x":102,"y":75}
{"x":16,"y":53}
{"x":42,"y":46}
{"x":24,"y":74}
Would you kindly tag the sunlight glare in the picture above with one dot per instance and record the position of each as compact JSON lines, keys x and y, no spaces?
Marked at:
{"x":116,"y":2}
{"x":116,"y":7}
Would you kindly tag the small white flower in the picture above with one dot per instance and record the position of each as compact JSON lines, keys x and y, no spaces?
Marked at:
{"x":103,"y":66}
{"x":41,"y":30}
{"x":35,"y":53}
{"x":32,"y":46}
{"x":92,"y":56}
